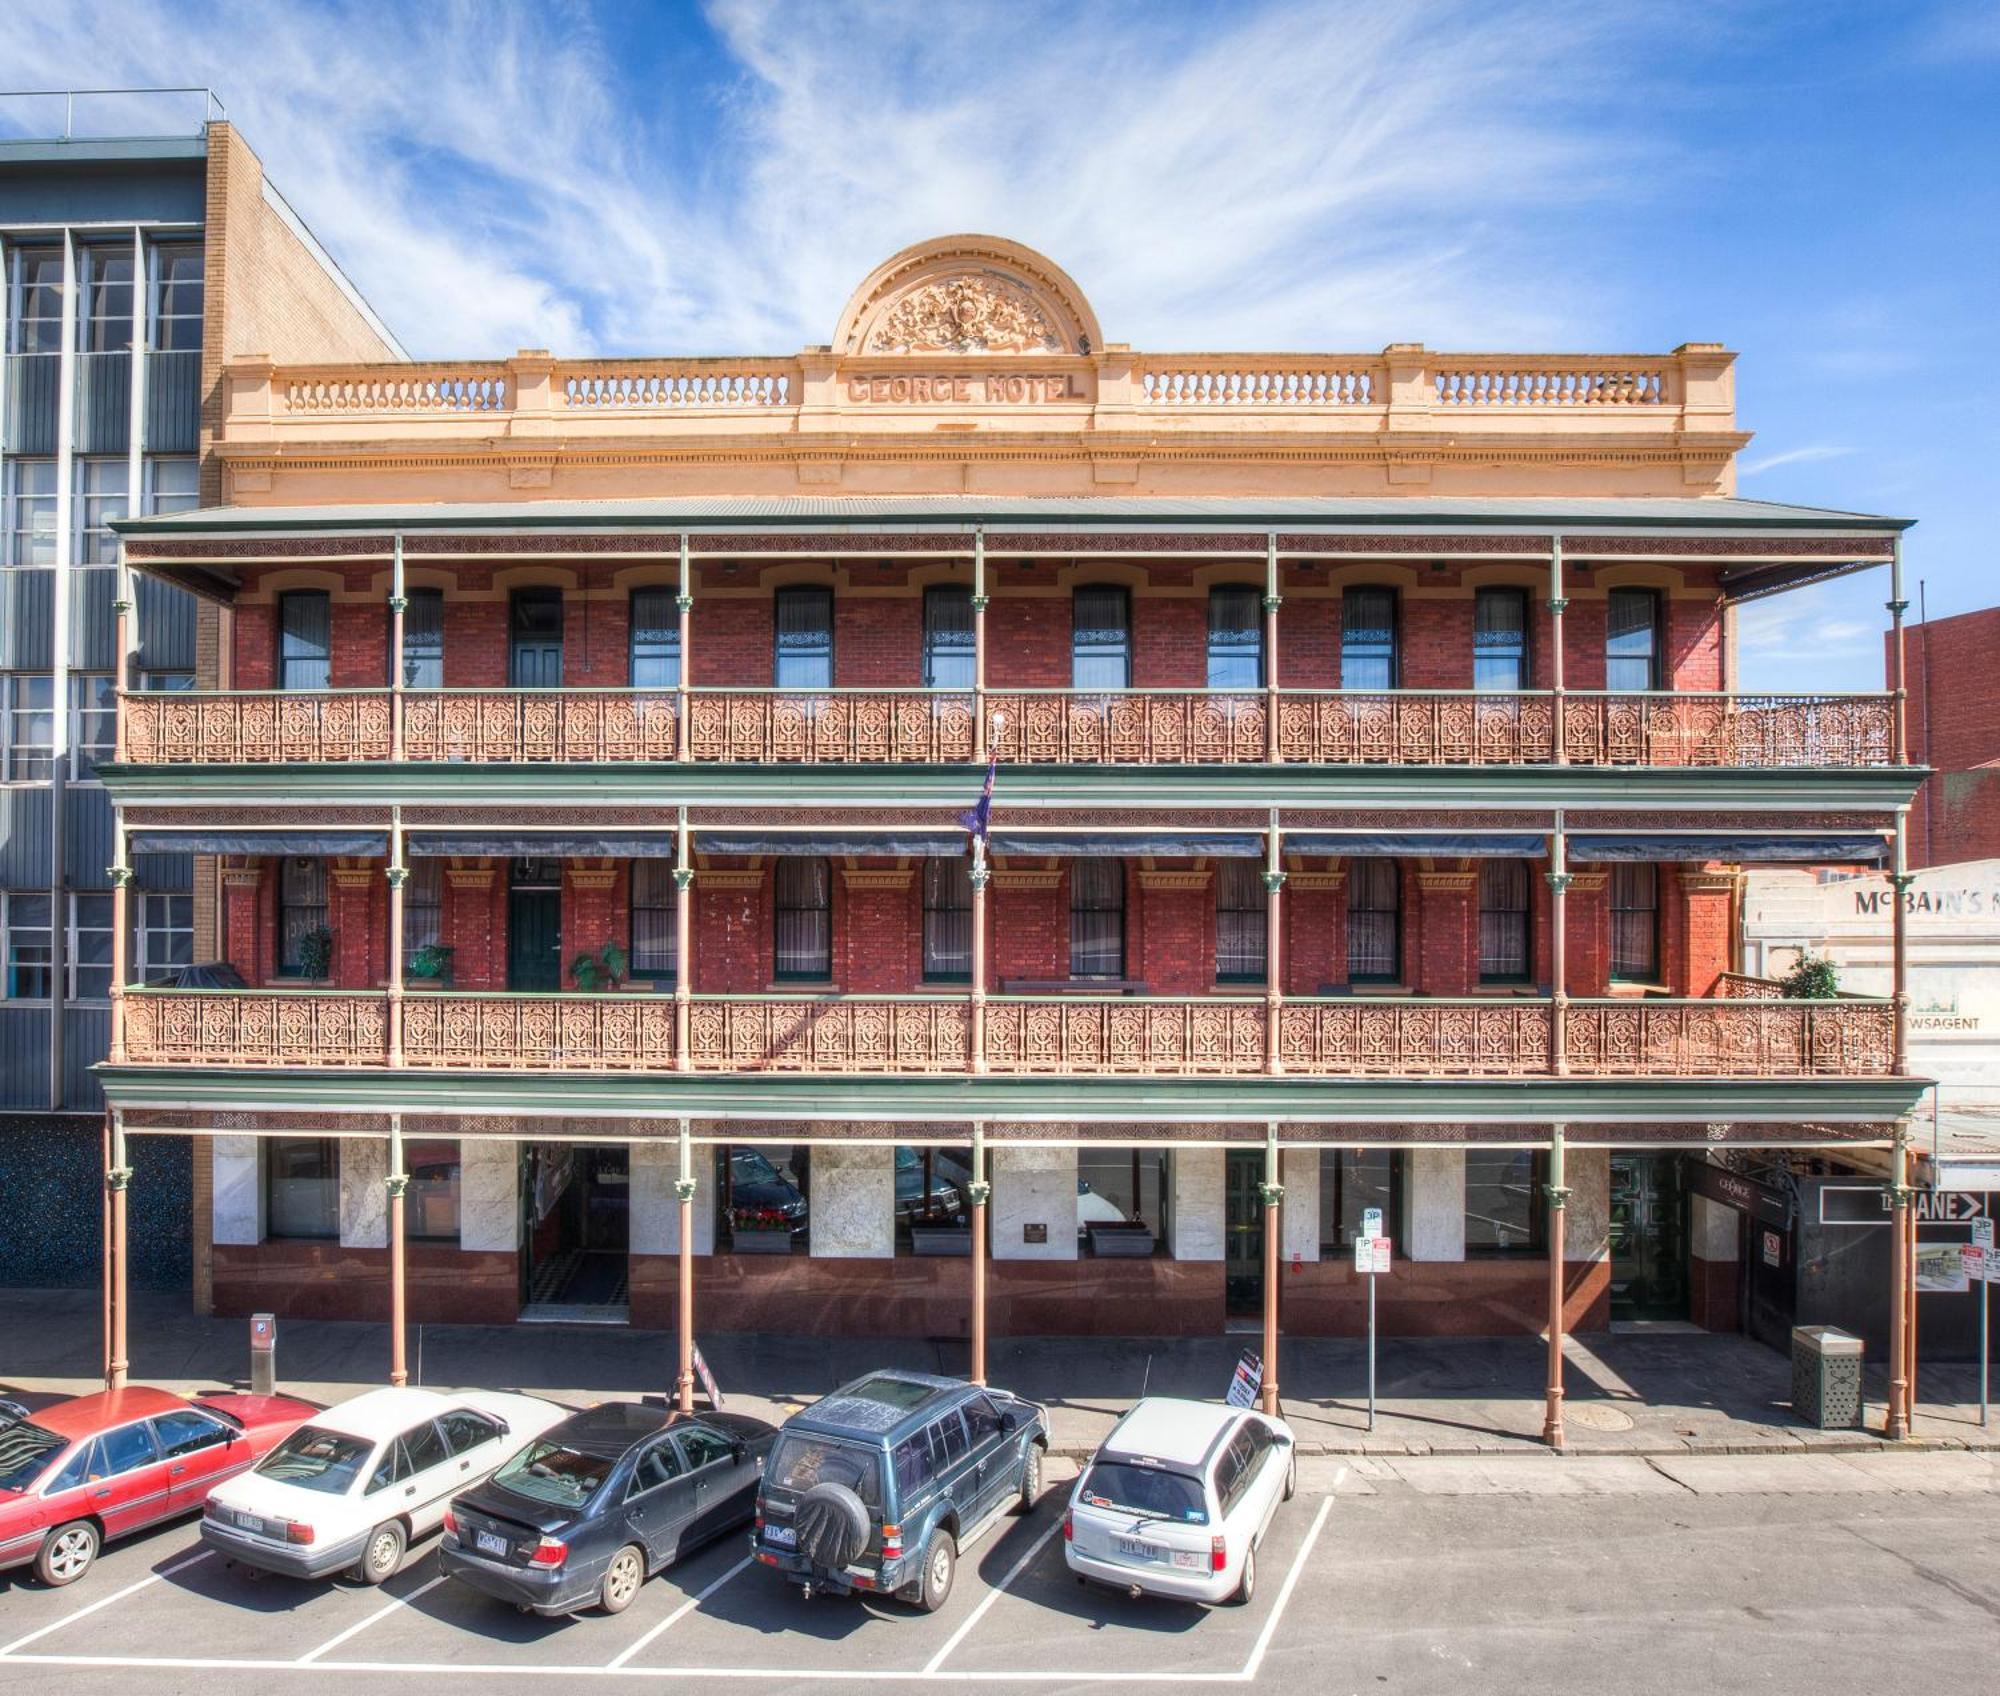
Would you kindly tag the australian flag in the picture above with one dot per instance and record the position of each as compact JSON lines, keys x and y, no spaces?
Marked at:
{"x":978,"y":818}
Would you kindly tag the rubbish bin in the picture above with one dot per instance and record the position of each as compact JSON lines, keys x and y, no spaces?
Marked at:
{"x":1826,"y":1377}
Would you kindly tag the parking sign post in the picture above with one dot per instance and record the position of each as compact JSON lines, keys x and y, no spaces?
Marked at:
{"x":1982,"y":1239}
{"x":1372,"y":1255}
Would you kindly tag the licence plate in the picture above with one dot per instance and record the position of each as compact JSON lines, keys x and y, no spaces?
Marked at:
{"x":781,"y":1536}
{"x":250,"y":1522}
{"x":1133,"y":1549}
{"x":488,"y":1544}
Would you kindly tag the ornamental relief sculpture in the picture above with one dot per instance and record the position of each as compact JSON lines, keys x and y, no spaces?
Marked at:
{"x":965,"y":314}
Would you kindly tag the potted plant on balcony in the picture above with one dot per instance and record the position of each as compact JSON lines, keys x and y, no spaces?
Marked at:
{"x":431,"y":964}
{"x":760,"y":1230}
{"x":1814,"y":978}
{"x":603,"y":970}
{"x":316,"y":954}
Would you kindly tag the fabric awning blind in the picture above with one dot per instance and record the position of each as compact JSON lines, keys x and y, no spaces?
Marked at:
{"x":366,"y":843}
{"x":1096,"y":843}
{"x":1812,"y":850}
{"x":942,"y":843}
{"x":540,"y":845}
{"x":1379,"y":844}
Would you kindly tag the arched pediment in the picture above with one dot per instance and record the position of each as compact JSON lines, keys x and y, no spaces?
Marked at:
{"x":967,"y":294}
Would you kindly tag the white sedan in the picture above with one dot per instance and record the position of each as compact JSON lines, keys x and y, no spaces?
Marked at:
{"x":1177,"y":1500}
{"x":353,"y":1486}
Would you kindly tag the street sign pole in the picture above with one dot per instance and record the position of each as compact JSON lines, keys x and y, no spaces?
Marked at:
{"x":1982,"y":1238}
{"x":1371,"y":1259}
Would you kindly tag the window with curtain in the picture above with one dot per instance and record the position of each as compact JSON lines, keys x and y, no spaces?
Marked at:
{"x":804,"y":637}
{"x":1635,"y":921}
{"x":423,"y":640}
{"x":948,"y":919}
{"x":1500,"y":639}
{"x":304,"y":635}
{"x":1241,"y":905}
{"x":423,"y":906}
{"x":430,"y":1212}
{"x":1505,"y":1209}
{"x":803,"y":918}
{"x":1368,"y":639}
{"x":1235,"y":637}
{"x":301,"y":1187}
{"x":948,"y":654}
{"x":301,"y":909}
{"x":1503,"y":921}
{"x":1101,"y":637}
{"x":1121,"y":1186}
{"x":656,"y":637}
{"x":654,"y":935}
{"x":1632,"y":640}
{"x":1374,"y":921}
{"x":1097,"y":918}
{"x":1352,"y":1180}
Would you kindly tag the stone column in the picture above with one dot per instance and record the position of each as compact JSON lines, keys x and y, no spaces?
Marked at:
{"x":1301,"y":1235}
{"x":1434,"y":1205}
{"x":1033,"y":1187}
{"x":238,"y":1204}
{"x":853,"y":1202}
{"x":364,"y":1193}
{"x":489,"y":1195}
{"x":656,"y":1213}
{"x":1196,"y":1226}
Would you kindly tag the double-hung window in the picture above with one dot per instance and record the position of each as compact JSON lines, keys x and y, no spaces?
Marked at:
{"x":1101,"y":638}
{"x":1096,"y":918}
{"x":1235,"y":638}
{"x":802,"y":913}
{"x":654,"y":933}
{"x":301,"y":910}
{"x":423,"y":640}
{"x":93,"y":720}
{"x":88,"y":947}
{"x":1635,"y":921}
{"x":164,"y":938}
{"x":948,"y":650}
{"x":1374,"y":921}
{"x":28,"y":700}
{"x":1241,"y":906}
{"x":31,"y":512}
{"x":1503,"y":921}
{"x":948,"y":920}
{"x":1632,"y":640}
{"x":423,"y":906}
{"x":656,"y":638}
{"x":30,"y":944}
{"x":1500,"y":640}
{"x":1368,"y":639}
{"x":305,"y":654}
{"x":804,"y":658}
{"x":101,"y":489}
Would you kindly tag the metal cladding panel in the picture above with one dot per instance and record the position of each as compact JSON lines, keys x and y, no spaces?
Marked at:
{"x":86,"y":1040}
{"x":93,"y":626}
{"x":142,"y":182}
{"x":165,"y":625}
{"x":86,"y":837}
{"x":164,"y":874}
{"x":27,"y":620}
{"x":24,"y":1055}
{"x":26,"y":826}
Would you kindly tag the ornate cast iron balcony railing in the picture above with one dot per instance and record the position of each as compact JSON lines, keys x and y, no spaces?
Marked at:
{"x":1332,"y":1037}
{"x":1408,"y":727}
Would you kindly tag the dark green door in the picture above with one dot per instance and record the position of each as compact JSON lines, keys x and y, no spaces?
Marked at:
{"x":534,"y":928}
{"x":1649,"y":1276}
{"x":535,"y":639}
{"x":1243,"y":1231}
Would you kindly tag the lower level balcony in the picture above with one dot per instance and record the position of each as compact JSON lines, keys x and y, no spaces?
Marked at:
{"x":1331,"y":1037}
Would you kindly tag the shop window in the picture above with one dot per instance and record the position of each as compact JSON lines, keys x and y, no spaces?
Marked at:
{"x":1374,"y":921}
{"x":1506,"y":1209}
{"x":656,"y":638}
{"x":1632,"y":640}
{"x":423,"y":906}
{"x":1635,"y":922}
{"x":1503,"y":921}
{"x":1500,"y":639}
{"x":430,"y":1211}
{"x":948,"y":646}
{"x":304,"y":636}
{"x":423,"y":640}
{"x":1368,"y":639}
{"x":1121,"y":1189}
{"x":1352,"y":1180}
{"x":804,"y":657}
{"x":933,"y":1191}
{"x":1097,"y":918}
{"x":1235,"y":638}
{"x":301,"y":910}
{"x":761,"y":1198}
{"x":302,"y":1187}
{"x":30,"y":945}
{"x":654,"y":932}
{"x":1101,"y":638}
{"x":164,"y":940}
{"x":1241,"y":909}
{"x":802,"y":913}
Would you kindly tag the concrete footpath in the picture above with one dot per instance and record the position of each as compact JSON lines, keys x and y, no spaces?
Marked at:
{"x":1629,"y":1393}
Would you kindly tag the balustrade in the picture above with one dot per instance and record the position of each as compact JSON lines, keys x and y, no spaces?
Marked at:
{"x":579,"y":1033}
{"x":1128,"y":727}
{"x":397,"y":389}
{"x":1731,"y":1038}
{"x":256,"y":728}
{"x":545,"y":726}
{"x":675,"y":385}
{"x":829,"y":727}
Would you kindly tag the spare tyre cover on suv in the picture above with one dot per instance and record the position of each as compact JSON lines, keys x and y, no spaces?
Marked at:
{"x":832,"y":1525}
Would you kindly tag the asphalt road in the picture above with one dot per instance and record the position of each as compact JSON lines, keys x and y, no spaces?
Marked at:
{"x":1611,"y":1577}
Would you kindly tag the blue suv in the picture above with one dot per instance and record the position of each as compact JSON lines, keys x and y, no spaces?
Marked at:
{"x":879,"y":1486}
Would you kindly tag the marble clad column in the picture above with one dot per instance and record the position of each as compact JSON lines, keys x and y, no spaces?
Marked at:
{"x":1298,"y":1171}
{"x":853,"y":1202}
{"x":1434,"y":1205}
{"x":1195,"y":1230}
{"x":489,"y":1201}
{"x":364,"y":1192}
{"x":238,"y":1207}
{"x":1032,"y":1186}
{"x":1587,"y":1231}
{"x":656,"y":1209}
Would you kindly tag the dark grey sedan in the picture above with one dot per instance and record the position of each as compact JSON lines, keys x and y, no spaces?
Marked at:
{"x":588,"y":1511}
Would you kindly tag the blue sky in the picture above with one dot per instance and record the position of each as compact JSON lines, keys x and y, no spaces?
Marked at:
{"x":1817,"y":185}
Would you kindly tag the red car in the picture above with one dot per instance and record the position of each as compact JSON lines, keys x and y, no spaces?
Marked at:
{"x":96,"y":1467}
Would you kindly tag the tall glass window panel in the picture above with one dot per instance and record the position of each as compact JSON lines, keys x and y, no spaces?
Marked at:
{"x":948,"y":648}
{"x":1235,"y":638}
{"x":1121,"y":1186}
{"x":173,"y":483}
{"x":30,"y":941}
{"x":423,"y":640}
{"x":1101,"y":638}
{"x":1503,"y":921}
{"x":804,"y":638}
{"x":656,"y":637}
{"x":93,"y":720}
{"x":803,"y":918}
{"x":31,"y":512}
{"x":1632,"y":640}
{"x":653,"y":929}
{"x":177,"y":288}
{"x":423,"y":906}
{"x":1368,"y":639}
{"x":1635,"y":921}
{"x":948,"y":920}
{"x":1352,"y":1180}
{"x":165,"y":936}
{"x":35,"y":300}
{"x":89,"y":946}
{"x":430,"y":1211}
{"x":107,"y":298}
{"x":1097,"y":918}
{"x":301,"y":1187}
{"x":1374,"y":921}
{"x":301,"y":909}
{"x":933,"y":1188}
{"x":1500,"y":639}
{"x":1241,"y":906}
{"x":29,"y":701}
{"x":101,"y":486}
{"x":305,"y":657}
{"x":762,"y":1189}
{"x":1505,"y":1210}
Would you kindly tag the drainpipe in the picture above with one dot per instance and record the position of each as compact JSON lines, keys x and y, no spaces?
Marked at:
{"x":399,"y":604}
{"x":1897,"y":1424}
{"x":117,"y":1179}
{"x":976,"y":1048}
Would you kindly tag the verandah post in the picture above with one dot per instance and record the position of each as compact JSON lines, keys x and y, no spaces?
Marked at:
{"x":1552,"y":1417}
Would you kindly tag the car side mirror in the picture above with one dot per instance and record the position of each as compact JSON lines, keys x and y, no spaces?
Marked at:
{"x":229,"y":1439}
{"x":739,"y":1451}
{"x":1010,"y":1423}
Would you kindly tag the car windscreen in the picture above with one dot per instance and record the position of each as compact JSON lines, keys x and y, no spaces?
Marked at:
{"x":1121,"y":1487}
{"x":800,"y":1460}
{"x":317,"y":1459}
{"x":25,"y":1449}
{"x":553,"y":1472}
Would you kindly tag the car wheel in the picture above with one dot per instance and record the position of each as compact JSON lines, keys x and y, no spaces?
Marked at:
{"x":1246,"y":1586}
{"x":1292,"y":1477}
{"x":66,"y":1553}
{"x":381,"y":1554}
{"x":1031,"y":1478}
{"x":940,"y":1568}
{"x":622,"y":1579}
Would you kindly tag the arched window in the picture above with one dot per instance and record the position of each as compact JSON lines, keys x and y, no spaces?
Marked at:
{"x":803,"y":919}
{"x":1503,"y":921}
{"x":1374,"y":921}
{"x":1241,"y":904}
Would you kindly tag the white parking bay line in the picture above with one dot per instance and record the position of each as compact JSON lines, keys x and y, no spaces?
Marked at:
{"x":105,"y":1601}
{"x":680,"y":1612}
{"x":991,"y":1596}
{"x":359,"y":1626}
{"x":1291,"y":1583}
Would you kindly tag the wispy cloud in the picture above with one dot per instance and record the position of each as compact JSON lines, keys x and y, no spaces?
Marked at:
{"x":1292,"y":173}
{"x":1795,"y":630}
{"x":1806,"y":455}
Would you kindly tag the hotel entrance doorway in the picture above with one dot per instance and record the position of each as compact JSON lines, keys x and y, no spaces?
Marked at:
{"x":575,"y":1232}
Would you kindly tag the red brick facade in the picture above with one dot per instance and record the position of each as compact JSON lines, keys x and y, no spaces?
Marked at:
{"x":1954,"y":726}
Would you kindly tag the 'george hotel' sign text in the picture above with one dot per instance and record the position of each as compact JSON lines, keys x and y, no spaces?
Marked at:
{"x":988,"y":388}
